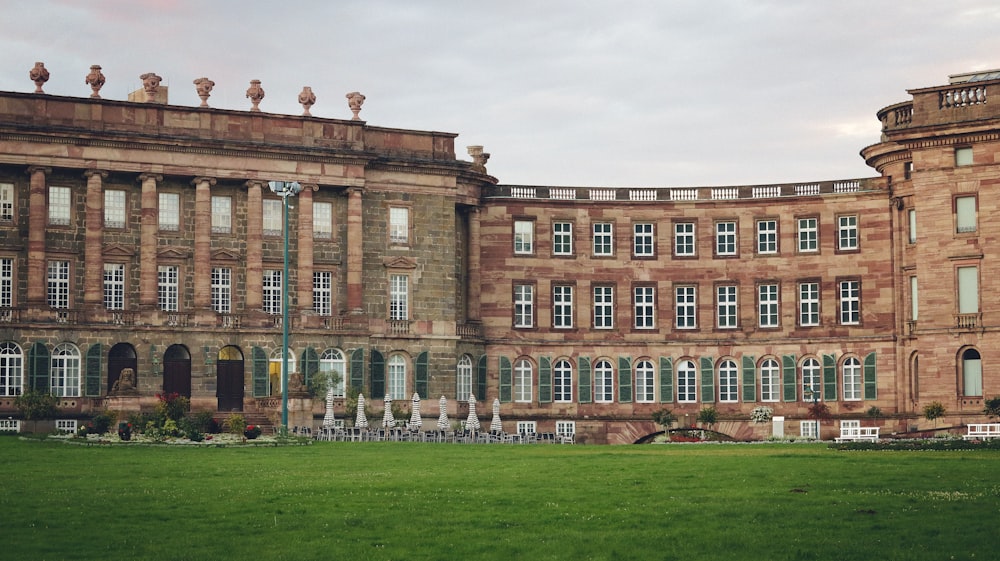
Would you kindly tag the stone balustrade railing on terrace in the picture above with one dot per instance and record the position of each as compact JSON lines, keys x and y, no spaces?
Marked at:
{"x":682,"y":194}
{"x":965,"y":101}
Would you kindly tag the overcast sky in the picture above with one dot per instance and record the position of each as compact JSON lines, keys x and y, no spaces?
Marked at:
{"x":581,"y":93}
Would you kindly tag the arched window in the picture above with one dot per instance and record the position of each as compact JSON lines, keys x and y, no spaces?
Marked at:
{"x":728,"y":381}
{"x":812,"y":382}
{"x":770,"y":384}
{"x":332,"y":364}
{"x":396,"y":386}
{"x":65,"y":371}
{"x":463,"y":378}
{"x":275,"y":368}
{"x":972,"y":373}
{"x":11,"y":369}
{"x":522,"y":381}
{"x":644,"y":383}
{"x":604,"y":382}
{"x":563,"y":382}
{"x":852,"y":379}
{"x":686,"y":377}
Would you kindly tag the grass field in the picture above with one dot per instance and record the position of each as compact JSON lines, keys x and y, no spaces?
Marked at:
{"x":416,"y":501}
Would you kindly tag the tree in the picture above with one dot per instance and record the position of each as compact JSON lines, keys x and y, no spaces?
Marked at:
{"x":992,"y":407}
{"x":708,"y":416}
{"x":665,"y":418}
{"x":933,"y":411}
{"x":34,"y":405}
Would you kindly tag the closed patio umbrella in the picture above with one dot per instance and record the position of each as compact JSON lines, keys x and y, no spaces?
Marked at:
{"x":495,"y":424}
{"x":388,"y":421}
{"x":361,"y":420}
{"x":472,"y":423}
{"x":415,"y":420}
{"x":328,"y":416}
{"x":443,"y":423}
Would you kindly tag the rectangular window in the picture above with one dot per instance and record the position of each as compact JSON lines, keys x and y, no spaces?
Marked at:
{"x":60,"y":206}
{"x":323,"y":293}
{"x":603,"y":239}
{"x":272,"y":217}
{"x":399,"y":297}
{"x":114,"y":208}
{"x":850,"y":302}
{"x":272,"y":292}
{"x":968,"y":290}
{"x":399,"y":225}
{"x":114,"y":286}
{"x":58,"y":284}
{"x":912,"y":216}
{"x":725,"y":238}
{"x":685,"y":308}
{"x":168,"y":287}
{"x":322,"y":220}
{"x":604,"y":307}
{"x":847,"y":232}
{"x":808,"y":235}
{"x":907,"y":170}
{"x":965,"y":215}
{"x":913,"y":298}
{"x":644,"y":299}
{"x":6,"y":282}
{"x":222,"y":215}
{"x":809,"y":429}
{"x":726,"y":306}
{"x":808,"y":304}
{"x":767,"y":305}
{"x":562,"y":306}
{"x":565,"y":428}
{"x":767,"y":236}
{"x":6,"y":202}
{"x":643,"y":240}
{"x":684,"y":239}
{"x":222,"y":290}
{"x":562,"y":238}
{"x":524,"y":305}
{"x":524,"y":237}
{"x":963,"y":156}
{"x":526,"y":427}
{"x":169,"y":212}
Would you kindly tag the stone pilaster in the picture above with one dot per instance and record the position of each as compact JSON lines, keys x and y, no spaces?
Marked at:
{"x":147,"y":239}
{"x":255,"y":250}
{"x":355,"y":250}
{"x":474,"y":278}
{"x":304,"y":245}
{"x":202,"y":242}
{"x":37,"y":221}
{"x":93,"y":280}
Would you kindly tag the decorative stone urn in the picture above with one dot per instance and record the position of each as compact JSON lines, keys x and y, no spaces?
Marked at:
{"x":255,"y":93}
{"x":204,"y":87}
{"x":95,"y":80}
{"x":307,"y":98}
{"x":151,"y":84}
{"x":39,"y":75}
{"x":479,"y":158}
{"x":354,"y":101}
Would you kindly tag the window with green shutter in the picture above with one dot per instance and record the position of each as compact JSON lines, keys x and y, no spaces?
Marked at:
{"x":377,"y":372}
{"x":481,"y":379}
{"x":544,"y":380}
{"x":666,"y":379}
{"x":829,"y":378}
{"x":358,"y":369}
{"x":260,"y":377}
{"x":420,"y":370}
{"x":310,"y":365}
{"x":788,"y":375}
{"x":95,"y":370}
{"x":586,"y":382}
{"x":707,"y":379}
{"x":749,"y":379}
{"x":624,"y":379}
{"x":871,"y":387}
{"x":506,"y":380}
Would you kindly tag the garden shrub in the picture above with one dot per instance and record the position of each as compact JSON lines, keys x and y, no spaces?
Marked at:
{"x":34,"y":405}
{"x":235,"y":423}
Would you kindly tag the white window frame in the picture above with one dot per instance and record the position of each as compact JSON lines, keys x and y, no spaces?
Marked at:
{"x":524,"y":237}
{"x":809,"y":429}
{"x":562,"y":381}
{"x":58,"y":283}
{"x":222,"y":214}
{"x":687,"y":382}
{"x":808,"y":234}
{"x":114,"y":286}
{"x":604,"y":381}
{"x":169,"y":212}
{"x":850,"y":301}
{"x":643,"y":239}
{"x":11,"y":369}
{"x":644,"y":307}
{"x":271,"y":300}
{"x":847,"y":232}
{"x":851,"y":376}
{"x":523,"y":381}
{"x":463,"y":378}
{"x":399,"y":297}
{"x":770,"y":380}
{"x":604,"y":239}
{"x":729,"y":381}
{"x":767,"y":236}
{"x":963,"y":156}
{"x":333,"y":361}
{"x":809,"y":304}
{"x":64,"y":371}
{"x":965,"y":215}
{"x":727,"y":306}
{"x":686,"y":307}
{"x":60,"y":205}
{"x":322,"y":220}
{"x":399,"y":225}
{"x":6,"y":282}
{"x":967,"y":284}
{"x":604,"y":306}
{"x":222,"y":290}
{"x":323,"y":293}
{"x":562,"y":238}
{"x":725,"y":238}
{"x":114,"y":208}
{"x":565,"y":428}
{"x":524,"y":306}
{"x":645,"y":380}
{"x":526,"y":427}
{"x":811,"y":376}
{"x":684,"y":242}
{"x":562,"y":306}
{"x":168,"y":287}
{"x":768,"y":306}
{"x":272,"y":217}
{"x":395,"y":380}
{"x":7,"y":202}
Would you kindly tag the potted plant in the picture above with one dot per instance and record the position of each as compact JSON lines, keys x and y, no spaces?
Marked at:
{"x":251,"y":432}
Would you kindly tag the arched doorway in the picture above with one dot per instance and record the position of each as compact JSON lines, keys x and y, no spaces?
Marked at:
{"x":229,"y":379}
{"x":177,"y":370}
{"x":120,"y":357}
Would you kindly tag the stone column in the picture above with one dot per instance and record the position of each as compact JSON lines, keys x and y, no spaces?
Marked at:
{"x":93,"y":281}
{"x":355,"y":250}
{"x":37,"y":222}
{"x":147,"y":240}
{"x":474,"y":278}
{"x":255,"y":250}
{"x":202,"y":242}
{"x":304,"y":247}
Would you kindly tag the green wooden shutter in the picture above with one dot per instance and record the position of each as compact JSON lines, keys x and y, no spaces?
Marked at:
{"x":707,"y":379}
{"x":544,"y":380}
{"x":358,"y":369}
{"x":749,"y":380}
{"x":586,"y":381}
{"x":871,"y":388}
{"x":310,"y":365}
{"x":260,"y":376}
{"x":481,"y":379}
{"x":95,"y":366}
{"x":377,"y":372}
{"x":624,"y":379}
{"x":421,"y":366}
{"x":666,"y":379}
{"x":788,"y":375}
{"x":829,"y":378}
{"x":38,"y":367}
{"x":506,"y":380}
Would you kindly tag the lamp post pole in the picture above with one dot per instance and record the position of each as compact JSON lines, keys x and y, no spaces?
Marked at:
{"x":284,"y":189}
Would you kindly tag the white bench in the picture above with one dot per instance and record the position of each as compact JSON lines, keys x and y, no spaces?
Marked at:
{"x":66,"y":425}
{"x":10,"y":425}
{"x":982,"y":431}
{"x":853,"y":431}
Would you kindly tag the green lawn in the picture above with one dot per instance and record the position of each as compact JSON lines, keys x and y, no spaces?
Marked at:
{"x":412,"y":501}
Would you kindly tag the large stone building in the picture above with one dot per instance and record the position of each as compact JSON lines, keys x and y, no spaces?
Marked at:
{"x":139,"y":234}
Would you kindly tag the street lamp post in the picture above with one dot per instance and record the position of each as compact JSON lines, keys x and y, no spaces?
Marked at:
{"x":284,"y":189}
